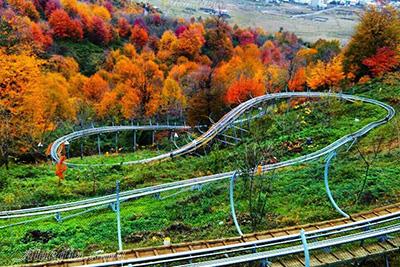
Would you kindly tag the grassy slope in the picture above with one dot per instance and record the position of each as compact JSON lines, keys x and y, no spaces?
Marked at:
{"x":205,"y":214}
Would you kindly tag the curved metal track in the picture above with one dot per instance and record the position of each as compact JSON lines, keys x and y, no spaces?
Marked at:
{"x":224,"y":123}
{"x":101,"y":130}
{"x":270,"y":243}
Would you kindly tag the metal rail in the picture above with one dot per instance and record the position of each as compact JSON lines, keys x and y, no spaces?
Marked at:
{"x":299,"y":248}
{"x":201,"y":250}
{"x":329,"y":234}
{"x":101,"y":130}
{"x":224,"y":123}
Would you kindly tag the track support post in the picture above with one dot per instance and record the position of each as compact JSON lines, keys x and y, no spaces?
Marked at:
{"x":116,"y":142}
{"x":328,"y":191}
{"x":98,"y":144}
{"x":305,"y":246}
{"x":265,"y":263}
{"x":117,"y":203}
{"x":58,"y":217}
{"x":232,"y":203}
{"x":134,"y":140}
{"x":387,"y":261}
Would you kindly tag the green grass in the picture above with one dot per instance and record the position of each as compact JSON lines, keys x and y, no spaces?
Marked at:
{"x":204,"y":214}
{"x":107,"y":158}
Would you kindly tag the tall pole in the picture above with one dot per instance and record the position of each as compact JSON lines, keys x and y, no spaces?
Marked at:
{"x":305,"y":246}
{"x":134,"y":140}
{"x":116,"y":142}
{"x":232,"y":203}
{"x":98,"y":144}
{"x":118,"y":219}
{"x":327,"y":189}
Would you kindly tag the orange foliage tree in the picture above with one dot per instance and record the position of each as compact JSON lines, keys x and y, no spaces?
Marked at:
{"x":94,"y":88}
{"x":244,"y":89}
{"x":109,"y":106}
{"x":298,"y":81}
{"x":49,"y":102}
{"x":61,"y":168}
{"x":137,"y":81}
{"x":25,"y":8}
{"x":168,"y":47}
{"x":245,"y":63}
{"x":191,"y":41}
{"x":17,"y":74}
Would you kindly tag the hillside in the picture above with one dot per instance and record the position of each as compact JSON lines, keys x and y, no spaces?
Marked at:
{"x":204,"y":214}
{"x":70,"y":65}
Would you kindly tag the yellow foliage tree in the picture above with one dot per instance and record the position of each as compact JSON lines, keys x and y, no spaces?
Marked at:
{"x":31,"y":102}
{"x":172,"y":97}
{"x":49,"y":102}
{"x":326,"y":75}
{"x":101,"y":12}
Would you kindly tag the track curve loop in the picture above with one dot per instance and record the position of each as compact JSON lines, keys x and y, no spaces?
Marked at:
{"x":214,"y":130}
{"x":227,"y":120}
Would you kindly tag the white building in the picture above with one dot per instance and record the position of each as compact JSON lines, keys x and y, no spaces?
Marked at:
{"x":304,"y":2}
{"x":319,"y":3}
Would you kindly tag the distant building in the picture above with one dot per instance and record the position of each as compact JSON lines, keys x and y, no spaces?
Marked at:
{"x":366,"y":2}
{"x":304,"y":2}
{"x":318,"y":3}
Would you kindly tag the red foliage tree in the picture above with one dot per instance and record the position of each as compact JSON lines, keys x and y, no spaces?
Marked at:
{"x":51,"y":6}
{"x":109,"y":6}
{"x":383,"y":61}
{"x":123,"y":27}
{"x":43,"y":41}
{"x":139,"y":36}
{"x":245,"y":37}
{"x":157,"y":20}
{"x":65,"y":27}
{"x":99,"y":32}
{"x":271,"y":54}
{"x":180,"y":29}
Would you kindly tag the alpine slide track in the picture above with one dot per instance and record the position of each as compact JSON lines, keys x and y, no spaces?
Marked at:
{"x":352,"y":238}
